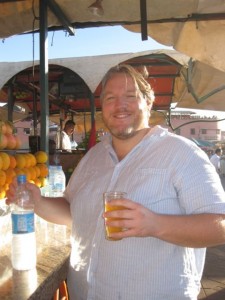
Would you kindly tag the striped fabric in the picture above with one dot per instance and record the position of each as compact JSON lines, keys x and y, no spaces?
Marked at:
{"x":167,"y":174}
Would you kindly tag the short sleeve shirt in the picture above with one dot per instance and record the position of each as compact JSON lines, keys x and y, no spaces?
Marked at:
{"x":167,"y":174}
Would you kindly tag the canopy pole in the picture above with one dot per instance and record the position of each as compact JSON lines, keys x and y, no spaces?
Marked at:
{"x":11,"y":101}
{"x":44,"y":75}
{"x":92,"y":137}
{"x":92,"y":103}
{"x":144,"y":23}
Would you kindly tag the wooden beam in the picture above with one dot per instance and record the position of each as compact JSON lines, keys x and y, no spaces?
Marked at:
{"x":61,"y":16}
{"x":144,"y":24}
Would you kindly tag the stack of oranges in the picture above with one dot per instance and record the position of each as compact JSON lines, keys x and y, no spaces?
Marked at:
{"x":32,"y":165}
{"x":8,"y":140}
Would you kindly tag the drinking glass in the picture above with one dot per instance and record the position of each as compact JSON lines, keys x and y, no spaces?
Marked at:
{"x":107,"y":197}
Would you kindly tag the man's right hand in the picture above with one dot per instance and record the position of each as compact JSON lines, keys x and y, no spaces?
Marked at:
{"x":11,"y":193}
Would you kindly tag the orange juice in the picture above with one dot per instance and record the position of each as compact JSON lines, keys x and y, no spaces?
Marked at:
{"x":110,"y":229}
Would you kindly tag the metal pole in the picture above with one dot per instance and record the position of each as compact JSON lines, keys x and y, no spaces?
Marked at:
{"x":44,"y":75}
{"x":11,"y":102}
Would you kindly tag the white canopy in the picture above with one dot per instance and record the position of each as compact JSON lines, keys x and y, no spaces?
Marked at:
{"x":195,"y":27}
{"x":198,"y":86}
{"x":90,"y":68}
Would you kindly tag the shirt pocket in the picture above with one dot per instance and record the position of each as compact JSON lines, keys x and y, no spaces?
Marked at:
{"x":148,"y":185}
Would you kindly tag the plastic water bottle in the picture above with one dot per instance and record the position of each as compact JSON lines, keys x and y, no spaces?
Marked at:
{"x":23,"y":230}
{"x":57,"y":181}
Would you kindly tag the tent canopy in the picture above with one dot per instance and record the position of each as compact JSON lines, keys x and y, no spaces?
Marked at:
{"x":195,"y":28}
{"x":72,"y":79}
{"x":177,"y":81}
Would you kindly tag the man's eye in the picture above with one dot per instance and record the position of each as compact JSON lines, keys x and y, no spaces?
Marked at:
{"x":131,"y":97}
{"x":109,"y":99}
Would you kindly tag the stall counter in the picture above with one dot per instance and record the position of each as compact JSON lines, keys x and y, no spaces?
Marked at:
{"x":53,"y":251}
{"x":68,"y":160}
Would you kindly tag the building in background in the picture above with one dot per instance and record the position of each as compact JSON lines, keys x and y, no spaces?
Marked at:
{"x":207,"y":131}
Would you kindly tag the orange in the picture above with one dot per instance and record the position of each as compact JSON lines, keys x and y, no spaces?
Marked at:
{"x":2,"y":192}
{"x":2,"y":177}
{"x":3,"y":141}
{"x":43,"y":170}
{"x":37,"y":170}
{"x":5,"y":160}
{"x":9,"y":127}
{"x":6,"y":186}
{"x":18,"y":142}
{"x":32,"y":159}
{"x":41,"y":157}
{"x":10,"y":174}
{"x":27,"y":159}
{"x":32,"y":173}
{"x":37,"y":182}
{"x":2,"y":127}
{"x":43,"y":181}
{"x":19,"y":171}
{"x":1,"y":162}
{"x":11,"y":141}
{"x":20,"y":161}
{"x":12,"y":162}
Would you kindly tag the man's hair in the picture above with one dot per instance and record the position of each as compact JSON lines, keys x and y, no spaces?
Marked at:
{"x":218,"y":150}
{"x":70,"y":123}
{"x":139,"y":79}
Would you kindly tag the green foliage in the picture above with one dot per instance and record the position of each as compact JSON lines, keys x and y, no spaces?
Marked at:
{"x":84,"y":143}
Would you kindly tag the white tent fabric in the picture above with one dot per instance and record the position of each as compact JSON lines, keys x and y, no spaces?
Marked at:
{"x":90,"y":68}
{"x":203,"y":88}
{"x":203,"y":40}
{"x":200,"y":86}
{"x":195,"y":27}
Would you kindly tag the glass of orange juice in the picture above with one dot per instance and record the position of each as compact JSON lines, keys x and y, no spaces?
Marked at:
{"x":107,"y":197}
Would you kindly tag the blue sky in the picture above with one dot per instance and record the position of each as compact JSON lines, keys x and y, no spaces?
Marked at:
{"x":86,"y":42}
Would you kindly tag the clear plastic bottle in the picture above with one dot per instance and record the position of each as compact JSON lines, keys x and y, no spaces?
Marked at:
{"x":23,"y":229}
{"x":57,"y":181}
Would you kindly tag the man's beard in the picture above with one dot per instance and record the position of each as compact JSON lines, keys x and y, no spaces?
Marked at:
{"x":122,"y":133}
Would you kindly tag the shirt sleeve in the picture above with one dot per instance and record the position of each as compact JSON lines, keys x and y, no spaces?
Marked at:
{"x":199,"y":186}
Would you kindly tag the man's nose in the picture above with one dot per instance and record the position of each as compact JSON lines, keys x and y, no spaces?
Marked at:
{"x":120,"y":101}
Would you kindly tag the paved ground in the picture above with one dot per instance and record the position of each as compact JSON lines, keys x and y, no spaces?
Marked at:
{"x":213,"y":281}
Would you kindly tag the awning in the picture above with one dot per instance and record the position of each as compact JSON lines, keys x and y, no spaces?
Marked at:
{"x":177,"y":80}
{"x":195,"y":27}
{"x":203,"y":143}
{"x":70,"y":79}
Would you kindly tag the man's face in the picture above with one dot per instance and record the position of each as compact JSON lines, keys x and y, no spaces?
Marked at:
{"x":124,"y":109}
{"x":70,"y":130}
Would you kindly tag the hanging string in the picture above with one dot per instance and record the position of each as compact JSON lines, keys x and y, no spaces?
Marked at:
{"x":35,"y":18}
{"x":53,"y":34}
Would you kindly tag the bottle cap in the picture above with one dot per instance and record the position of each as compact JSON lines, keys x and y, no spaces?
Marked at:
{"x":21,"y":178}
{"x":52,"y":167}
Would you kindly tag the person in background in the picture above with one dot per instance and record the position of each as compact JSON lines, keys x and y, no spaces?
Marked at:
{"x":175,"y":207}
{"x":215,"y":159}
{"x":52,"y":146}
{"x":65,"y":142}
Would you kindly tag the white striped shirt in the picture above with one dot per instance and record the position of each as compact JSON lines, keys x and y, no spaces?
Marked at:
{"x":167,"y":174}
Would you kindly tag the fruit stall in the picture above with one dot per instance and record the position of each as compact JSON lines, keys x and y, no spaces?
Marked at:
{"x":14,"y":162}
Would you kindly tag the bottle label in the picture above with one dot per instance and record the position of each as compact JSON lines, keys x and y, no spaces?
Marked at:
{"x":22,"y":223}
